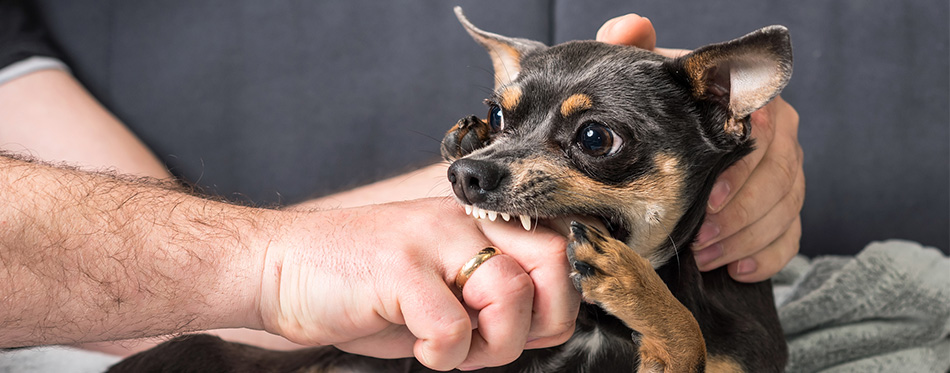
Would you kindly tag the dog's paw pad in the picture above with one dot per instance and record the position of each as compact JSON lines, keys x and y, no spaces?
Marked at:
{"x":583,"y":269}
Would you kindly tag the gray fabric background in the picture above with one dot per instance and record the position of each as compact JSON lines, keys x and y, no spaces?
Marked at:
{"x":277,"y":101}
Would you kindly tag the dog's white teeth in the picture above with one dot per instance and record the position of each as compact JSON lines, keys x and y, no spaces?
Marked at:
{"x":526,"y":222}
{"x":480,"y":213}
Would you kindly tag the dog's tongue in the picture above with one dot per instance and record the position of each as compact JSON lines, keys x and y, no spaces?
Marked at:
{"x":562,"y":224}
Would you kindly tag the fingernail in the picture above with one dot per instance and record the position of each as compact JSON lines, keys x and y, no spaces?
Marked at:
{"x":718,"y":195}
{"x":746,"y":266}
{"x":708,"y":255}
{"x":707,"y":232}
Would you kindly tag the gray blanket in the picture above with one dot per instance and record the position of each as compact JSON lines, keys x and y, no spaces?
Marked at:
{"x":885,"y":310}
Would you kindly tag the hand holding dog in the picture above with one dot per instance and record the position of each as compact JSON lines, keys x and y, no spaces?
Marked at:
{"x":753,"y":222}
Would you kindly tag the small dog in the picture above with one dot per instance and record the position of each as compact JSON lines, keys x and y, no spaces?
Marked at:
{"x":621,"y":135}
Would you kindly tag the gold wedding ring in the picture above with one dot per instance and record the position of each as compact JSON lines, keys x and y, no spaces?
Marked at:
{"x":473,"y":264}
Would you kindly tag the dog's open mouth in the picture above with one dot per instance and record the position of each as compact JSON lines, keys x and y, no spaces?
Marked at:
{"x":611,"y":223}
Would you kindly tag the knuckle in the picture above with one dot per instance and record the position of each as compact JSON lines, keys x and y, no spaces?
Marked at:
{"x":744,"y":166}
{"x":453,"y":332}
{"x":438,"y":352}
{"x":521,"y":285}
{"x":405,"y":259}
{"x":787,"y":166}
{"x":742,"y":211}
{"x":798,"y":195}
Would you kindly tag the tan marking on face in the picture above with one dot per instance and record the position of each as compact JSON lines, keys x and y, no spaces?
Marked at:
{"x":510,"y":98}
{"x":651,"y":205}
{"x":576,"y":103}
{"x":667,"y":164}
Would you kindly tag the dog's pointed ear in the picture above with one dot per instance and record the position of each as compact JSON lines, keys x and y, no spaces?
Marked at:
{"x":505,"y":52}
{"x":743,"y":74}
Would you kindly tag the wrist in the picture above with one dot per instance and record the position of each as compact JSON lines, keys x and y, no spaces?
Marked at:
{"x":235,"y":246}
{"x":275,"y":242}
{"x":249,"y":271}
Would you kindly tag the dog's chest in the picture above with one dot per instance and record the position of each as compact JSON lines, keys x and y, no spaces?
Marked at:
{"x":593,"y":350}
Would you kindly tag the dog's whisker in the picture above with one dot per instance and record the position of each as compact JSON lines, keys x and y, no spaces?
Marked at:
{"x":676,"y":252}
{"x":426,"y":135}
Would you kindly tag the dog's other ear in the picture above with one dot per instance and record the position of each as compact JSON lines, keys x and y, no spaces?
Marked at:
{"x":743,"y":74}
{"x":505,"y":52}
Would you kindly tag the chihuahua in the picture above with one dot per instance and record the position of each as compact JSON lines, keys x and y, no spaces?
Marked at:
{"x":623,"y":137}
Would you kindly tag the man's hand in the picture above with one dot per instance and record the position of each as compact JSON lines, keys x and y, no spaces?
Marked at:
{"x":753,"y":219}
{"x":379,"y":281}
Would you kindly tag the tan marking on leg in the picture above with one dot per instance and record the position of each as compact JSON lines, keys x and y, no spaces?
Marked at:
{"x":578,"y":102}
{"x":510,"y":98}
{"x":626,"y":286}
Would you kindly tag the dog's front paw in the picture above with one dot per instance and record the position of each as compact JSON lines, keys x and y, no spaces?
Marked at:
{"x":468,"y":135}
{"x":610,"y":274}
{"x":605,"y":270}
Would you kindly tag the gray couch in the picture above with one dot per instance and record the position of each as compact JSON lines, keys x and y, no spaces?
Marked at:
{"x":277,"y":101}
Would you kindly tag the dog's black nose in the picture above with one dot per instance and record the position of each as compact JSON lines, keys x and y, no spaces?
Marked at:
{"x":472,"y":180}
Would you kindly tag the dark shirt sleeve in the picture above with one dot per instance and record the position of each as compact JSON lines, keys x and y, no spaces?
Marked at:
{"x":21,"y":34}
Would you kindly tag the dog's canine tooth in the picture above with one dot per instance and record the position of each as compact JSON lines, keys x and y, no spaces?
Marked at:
{"x":505,"y":216}
{"x":468,"y":209}
{"x":492,"y":215}
{"x":526,"y":222}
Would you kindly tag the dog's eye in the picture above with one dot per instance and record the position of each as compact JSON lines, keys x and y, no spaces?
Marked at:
{"x":598,"y":140}
{"x":496,"y":119}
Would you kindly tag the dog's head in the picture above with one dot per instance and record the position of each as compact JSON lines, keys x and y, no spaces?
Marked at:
{"x":616,"y":133}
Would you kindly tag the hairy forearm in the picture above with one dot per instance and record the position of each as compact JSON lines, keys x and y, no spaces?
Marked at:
{"x":87,"y":257}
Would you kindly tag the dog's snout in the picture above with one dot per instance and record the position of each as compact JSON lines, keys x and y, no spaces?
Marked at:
{"x":472,"y":180}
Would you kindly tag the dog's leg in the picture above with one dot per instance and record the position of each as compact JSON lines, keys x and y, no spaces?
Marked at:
{"x":608,"y":273}
{"x":468,"y":135}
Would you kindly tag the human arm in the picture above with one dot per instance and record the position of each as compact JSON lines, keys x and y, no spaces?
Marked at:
{"x":753,"y":222}
{"x":89,"y":257}
{"x":49,"y":115}
{"x":116,"y":258}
